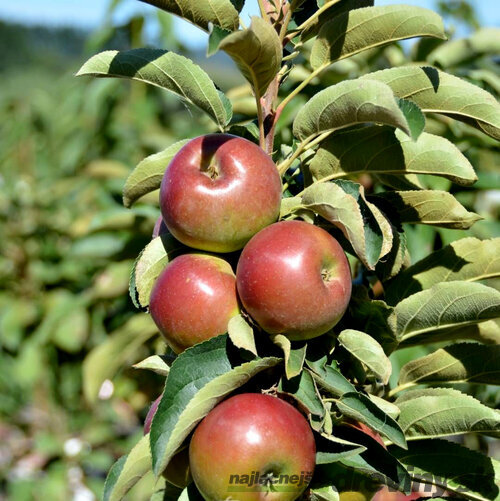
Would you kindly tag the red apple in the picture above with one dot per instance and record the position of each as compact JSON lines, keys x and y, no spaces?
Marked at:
{"x":252,"y":439}
{"x":177,"y":471}
{"x":218,"y":191}
{"x":193,"y":299}
{"x":294,"y":279}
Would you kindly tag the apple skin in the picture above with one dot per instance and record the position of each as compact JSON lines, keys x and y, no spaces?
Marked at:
{"x":177,"y":471}
{"x":193,"y":300}
{"x":218,"y":191}
{"x":294,"y":279}
{"x":249,"y":433}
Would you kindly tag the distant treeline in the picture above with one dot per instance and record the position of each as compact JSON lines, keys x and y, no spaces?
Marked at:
{"x":44,"y":46}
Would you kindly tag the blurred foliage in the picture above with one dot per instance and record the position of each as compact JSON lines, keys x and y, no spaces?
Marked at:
{"x":67,"y":243}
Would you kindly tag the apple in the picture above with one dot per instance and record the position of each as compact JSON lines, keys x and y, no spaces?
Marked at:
{"x":252,"y":447}
{"x":294,"y":279}
{"x":218,"y":191}
{"x":193,"y":299}
{"x":177,"y":471}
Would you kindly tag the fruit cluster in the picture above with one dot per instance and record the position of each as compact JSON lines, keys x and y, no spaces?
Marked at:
{"x":222,"y":194}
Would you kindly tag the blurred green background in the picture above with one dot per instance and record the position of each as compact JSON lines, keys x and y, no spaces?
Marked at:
{"x":67,"y":244}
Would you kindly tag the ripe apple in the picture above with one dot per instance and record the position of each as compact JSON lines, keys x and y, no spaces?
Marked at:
{"x":294,"y":279}
{"x":218,"y":191}
{"x":252,"y":447}
{"x":193,"y":299}
{"x":177,"y":471}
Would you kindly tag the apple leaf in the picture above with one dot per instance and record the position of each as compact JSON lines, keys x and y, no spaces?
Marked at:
{"x":257,"y":51}
{"x":127,"y":471}
{"x":329,"y":493}
{"x":397,"y":258}
{"x":294,"y":357}
{"x":432,"y":207}
{"x":147,"y":176}
{"x":373,"y":316}
{"x":467,"y":259}
{"x":443,"y":306}
{"x":241,"y":334}
{"x":330,"y":448}
{"x":359,"y":407}
{"x":199,"y":379}
{"x":121,"y":346}
{"x":438,"y":92}
{"x":389,"y":408}
{"x":333,"y":9}
{"x":343,"y":204}
{"x":455,"y":52}
{"x":374,"y":463}
{"x":452,"y":467}
{"x":303,"y":389}
{"x":414,"y":117}
{"x":368,"y":351}
{"x":348,"y":103}
{"x":155,"y":363}
{"x":361,"y":29}
{"x":166,"y":70}
{"x":456,"y":363}
{"x":202,"y":12}
{"x":486,"y":332}
{"x":438,"y":412}
{"x":330,"y":379}
{"x":148,"y":266}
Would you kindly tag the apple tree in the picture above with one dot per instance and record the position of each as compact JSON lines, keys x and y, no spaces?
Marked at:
{"x":359,"y":158}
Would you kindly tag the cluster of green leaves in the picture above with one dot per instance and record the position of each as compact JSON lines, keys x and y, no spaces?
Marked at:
{"x":373,"y":157}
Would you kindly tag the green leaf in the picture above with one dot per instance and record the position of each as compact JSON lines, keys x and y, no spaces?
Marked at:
{"x":147,"y":176}
{"x":438,"y":92}
{"x":343,"y":204}
{"x":368,"y":351}
{"x":257,"y":52}
{"x":127,"y":471}
{"x":457,"y":363}
{"x":348,"y":103}
{"x":362,"y":29}
{"x":443,"y":306}
{"x":374,"y":316}
{"x":414,"y":117}
{"x":202,"y":12}
{"x":294,"y":357}
{"x":149,"y":264}
{"x":467,"y":259}
{"x":334,"y":9}
{"x":455,"y":52}
{"x":166,"y":70}
{"x":241,"y":334}
{"x":120,"y":347}
{"x":328,"y":493}
{"x":485,"y":332}
{"x":359,"y":407}
{"x":155,"y":363}
{"x":441,"y":412}
{"x":450,"y":466}
{"x":330,"y":379}
{"x":330,"y":448}
{"x":199,"y":379}
{"x":217,"y":34}
{"x":303,"y":389}
{"x":432,"y":207}
{"x":375,"y":463}
{"x":389,"y":408}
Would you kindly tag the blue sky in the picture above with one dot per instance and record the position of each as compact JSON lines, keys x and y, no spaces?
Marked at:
{"x":89,"y":13}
